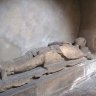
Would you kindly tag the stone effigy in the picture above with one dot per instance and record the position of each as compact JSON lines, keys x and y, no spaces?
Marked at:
{"x":36,"y":63}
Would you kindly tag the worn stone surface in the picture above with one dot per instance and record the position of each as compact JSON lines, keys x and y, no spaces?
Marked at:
{"x":20,"y":66}
{"x":47,"y":69}
{"x":62,"y":80}
{"x":54,"y":67}
{"x":21,"y":79}
{"x":43,"y":50}
{"x":29,"y":54}
{"x":35,"y":52}
{"x":49,"y":85}
{"x":81,"y":42}
{"x":85,"y":88}
{"x":71,"y":63}
{"x":58,"y":43}
{"x":52,"y":57}
{"x":32,"y":53}
{"x":71,"y":52}
{"x":53,"y":84}
{"x":80,"y":93}
{"x":30,"y":64}
{"x":56,"y":48}
{"x":88,"y":53}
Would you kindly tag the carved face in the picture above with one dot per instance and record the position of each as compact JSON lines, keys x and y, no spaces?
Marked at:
{"x":80,"y":41}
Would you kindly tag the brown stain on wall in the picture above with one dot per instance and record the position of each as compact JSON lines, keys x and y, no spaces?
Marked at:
{"x":88,"y":22}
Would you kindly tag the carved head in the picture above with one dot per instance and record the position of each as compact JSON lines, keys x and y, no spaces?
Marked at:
{"x":81,"y":42}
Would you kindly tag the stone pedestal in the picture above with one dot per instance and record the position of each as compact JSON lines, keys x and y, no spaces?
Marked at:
{"x":56,"y":83}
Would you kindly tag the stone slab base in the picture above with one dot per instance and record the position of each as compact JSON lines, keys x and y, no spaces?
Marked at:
{"x":56,"y":83}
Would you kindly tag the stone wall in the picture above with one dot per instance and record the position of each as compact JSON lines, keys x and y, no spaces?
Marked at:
{"x":34,"y":23}
{"x":88,"y":22}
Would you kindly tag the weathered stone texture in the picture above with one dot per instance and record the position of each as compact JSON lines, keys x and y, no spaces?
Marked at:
{"x":22,"y":78}
{"x":18,"y":66}
{"x":52,"y":57}
{"x":71,"y":52}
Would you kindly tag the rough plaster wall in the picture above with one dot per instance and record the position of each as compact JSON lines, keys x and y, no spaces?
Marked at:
{"x":88,"y":22}
{"x":35,"y":23}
